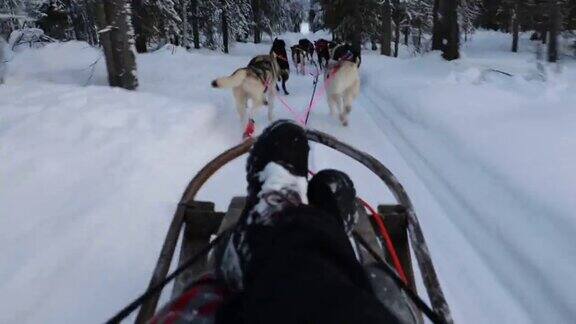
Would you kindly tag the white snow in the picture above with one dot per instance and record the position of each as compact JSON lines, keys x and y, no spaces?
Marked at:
{"x":90,"y":176}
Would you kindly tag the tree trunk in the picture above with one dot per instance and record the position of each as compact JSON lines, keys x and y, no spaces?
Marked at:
{"x":437,"y":28}
{"x":396,"y":27}
{"x":386,"y":32}
{"x":555,"y":25}
{"x":515,"y":27}
{"x":75,"y":21}
{"x":356,"y":37}
{"x":137,"y":21}
{"x":452,"y":36}
{"x":195,"y":27}
{"x":419,"y":43}
{"x":224,"y":26}
{"x":116,"y":37}
{"x":3,"y":59}
{"x":184,"y":13}
{"x":406,"y":35}
{"x":256,"y":17}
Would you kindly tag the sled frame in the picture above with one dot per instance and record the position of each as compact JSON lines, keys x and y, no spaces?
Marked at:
{"x":199,"y":229}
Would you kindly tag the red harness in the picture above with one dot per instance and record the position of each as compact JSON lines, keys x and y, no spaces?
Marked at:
{"x":249,"y":130}
{"x":282,"y":58}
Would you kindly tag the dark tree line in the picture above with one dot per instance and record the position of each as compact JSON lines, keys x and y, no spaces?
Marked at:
{"x":194,"y":23}
{"x":120,"y":25}
{"x":546,"y":18}
{"x":446,"y":22}
{"x":211,"y":23}
{"x":392,"y":22}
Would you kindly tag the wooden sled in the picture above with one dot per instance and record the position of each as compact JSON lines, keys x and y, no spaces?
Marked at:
{"x":199,"y":222}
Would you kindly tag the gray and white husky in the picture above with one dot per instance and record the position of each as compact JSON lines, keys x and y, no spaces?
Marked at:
{"x":256,"y":82}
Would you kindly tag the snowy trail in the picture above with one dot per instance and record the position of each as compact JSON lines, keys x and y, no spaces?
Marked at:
{"x":488,"y":212}
{"x":371,"y":133}
{"x":477,"y":246}
{"x":464,"y":275}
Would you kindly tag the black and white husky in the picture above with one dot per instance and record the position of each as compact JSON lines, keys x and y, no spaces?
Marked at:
{"x":299,"y":58}
{"x":279,"y":48}
{"x":256,"y":82}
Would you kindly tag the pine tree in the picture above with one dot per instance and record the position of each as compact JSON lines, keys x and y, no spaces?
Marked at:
{"x":12,"y":10}
{"x":296,"y":14}
{"x":468,"y":13}
{"x":156,"y":22}
{"x":421,"y":16}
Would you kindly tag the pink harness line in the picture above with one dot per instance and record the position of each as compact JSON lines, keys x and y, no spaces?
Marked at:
{"x":301,"y":118}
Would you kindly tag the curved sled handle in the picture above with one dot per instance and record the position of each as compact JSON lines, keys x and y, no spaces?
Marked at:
{"x":417,"y":240}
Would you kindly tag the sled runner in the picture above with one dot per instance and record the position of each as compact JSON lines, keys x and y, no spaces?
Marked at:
{"x":391,"y":237}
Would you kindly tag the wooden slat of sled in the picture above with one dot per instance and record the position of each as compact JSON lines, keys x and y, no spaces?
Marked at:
{"x":200,"y":222}
{"x":366,"y":230}
{"x":233,"y":214}
{"x":396,"y":221}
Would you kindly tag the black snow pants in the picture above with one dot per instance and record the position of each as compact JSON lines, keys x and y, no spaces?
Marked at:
{"x":304,"y":270}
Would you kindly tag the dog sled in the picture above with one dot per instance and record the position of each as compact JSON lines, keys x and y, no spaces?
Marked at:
{"x":392,"y":237}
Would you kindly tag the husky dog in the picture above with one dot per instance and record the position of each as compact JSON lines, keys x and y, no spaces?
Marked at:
{"x":323,"y":48}
{"x":279,"y":48}
{"x":299,"y":58}
{"x":255,"y":82}
{"x":308,"y":47}
{"x":343,"y":80}
{"x":346,"y":52}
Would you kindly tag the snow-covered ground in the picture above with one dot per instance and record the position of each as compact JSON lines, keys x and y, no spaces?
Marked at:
{"x":90,"y":176}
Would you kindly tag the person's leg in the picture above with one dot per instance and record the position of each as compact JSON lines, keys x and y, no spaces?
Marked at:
{"x":292,"y":263}
{"x":276,"y":174}
{"x":304,"y":271}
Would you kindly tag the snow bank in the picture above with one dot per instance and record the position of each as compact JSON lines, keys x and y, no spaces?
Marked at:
{"x":91,"y":177}
{"x":498,"y":153}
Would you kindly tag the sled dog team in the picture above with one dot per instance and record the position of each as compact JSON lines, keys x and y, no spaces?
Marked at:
{"x":257,"y":82}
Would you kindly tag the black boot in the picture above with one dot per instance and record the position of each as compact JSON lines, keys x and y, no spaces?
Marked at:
{"x":333,"y":192}
{"x":276,"y":173}
{"x":283,"y":143}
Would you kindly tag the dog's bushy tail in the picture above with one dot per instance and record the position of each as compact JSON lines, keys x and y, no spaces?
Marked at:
{"x":231,"y":81}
